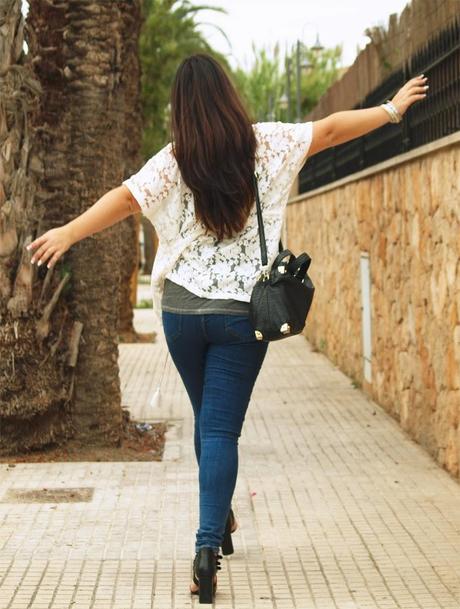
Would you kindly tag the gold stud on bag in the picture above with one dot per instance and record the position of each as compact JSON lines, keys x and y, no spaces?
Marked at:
{"x":282,"y":295}
{"x":285,"y":329}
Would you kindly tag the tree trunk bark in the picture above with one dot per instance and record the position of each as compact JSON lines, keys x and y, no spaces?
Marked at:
{"x":39,"y":338}
{"x":65,"y":141}
{"x":79,"y":49}
{"x":131,"y":83}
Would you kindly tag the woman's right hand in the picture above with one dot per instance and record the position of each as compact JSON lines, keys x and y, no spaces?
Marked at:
{"x":51,"y":245}
{"x":412,"y":91}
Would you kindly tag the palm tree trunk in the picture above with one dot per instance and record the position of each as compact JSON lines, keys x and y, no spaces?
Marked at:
{"x":79,"y":46}
{"x":131,"y":83}
{"x":39,"y":339}
{"x":65,"y":141}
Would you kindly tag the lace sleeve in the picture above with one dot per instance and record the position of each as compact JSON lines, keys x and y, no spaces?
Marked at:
{"x":284,"y":146}
{"x":154,"y":181}
{"x":299,"y":137}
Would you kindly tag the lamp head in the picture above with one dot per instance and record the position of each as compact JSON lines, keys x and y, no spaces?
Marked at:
{"x":283,"y":101}
{"x":317,"y":47}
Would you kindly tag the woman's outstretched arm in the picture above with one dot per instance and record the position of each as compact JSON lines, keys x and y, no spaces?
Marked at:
{"x":346,"y":125}
{"x":114,"y":206}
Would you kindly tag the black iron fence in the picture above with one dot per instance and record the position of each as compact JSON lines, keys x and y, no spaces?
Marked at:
{"x":436,"y":116}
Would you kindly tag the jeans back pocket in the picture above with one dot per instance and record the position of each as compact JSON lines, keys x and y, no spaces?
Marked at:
{"x":239,"y":327}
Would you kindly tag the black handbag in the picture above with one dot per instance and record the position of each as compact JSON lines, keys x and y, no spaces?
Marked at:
{"x":282,"y":296}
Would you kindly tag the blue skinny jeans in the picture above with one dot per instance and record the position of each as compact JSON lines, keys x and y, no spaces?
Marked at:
{"x":218,"y":359}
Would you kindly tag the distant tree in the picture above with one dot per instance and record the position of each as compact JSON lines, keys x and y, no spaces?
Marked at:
{"x":316,"y":81}
{"x":266,"y":80}
{"x":262,"y":85}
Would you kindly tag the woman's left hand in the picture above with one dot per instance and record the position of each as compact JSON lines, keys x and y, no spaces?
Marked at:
{"x":51,"y":245}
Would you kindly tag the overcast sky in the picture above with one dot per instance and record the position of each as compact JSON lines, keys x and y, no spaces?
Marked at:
{"x":269,"y":21}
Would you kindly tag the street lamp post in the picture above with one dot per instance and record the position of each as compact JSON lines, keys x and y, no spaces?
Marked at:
{"x":298,"y":117}
{"x":285,"y":101}
{"x":288,"y":84}
{"x":271,"y":108}
{"x":316,"y":48}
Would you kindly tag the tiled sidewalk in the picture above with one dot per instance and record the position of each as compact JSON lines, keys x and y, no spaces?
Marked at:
{"x":338,"y":508}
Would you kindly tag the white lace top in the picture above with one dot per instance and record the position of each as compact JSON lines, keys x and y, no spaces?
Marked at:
{"x":190,"y":257}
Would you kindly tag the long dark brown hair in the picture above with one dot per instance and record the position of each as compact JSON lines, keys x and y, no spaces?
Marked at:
{"x":214,"y":144}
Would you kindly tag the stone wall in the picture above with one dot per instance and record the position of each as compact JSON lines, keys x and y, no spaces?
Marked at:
{"x":404,"y":213}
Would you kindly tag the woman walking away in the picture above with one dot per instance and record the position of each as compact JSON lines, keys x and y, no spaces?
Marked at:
{"x":199,"y":193}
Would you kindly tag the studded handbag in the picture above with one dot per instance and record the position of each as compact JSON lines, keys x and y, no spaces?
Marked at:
{"x":282,"y":296}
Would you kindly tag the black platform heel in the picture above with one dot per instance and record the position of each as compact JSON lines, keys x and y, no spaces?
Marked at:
{"x":227,"y":543}
{"x":205,"y":566}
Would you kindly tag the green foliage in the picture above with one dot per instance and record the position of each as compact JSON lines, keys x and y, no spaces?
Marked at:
{"x":64,"y":270}
{"x":266,"y":81}
{"x":168,"y":35}
{"x":144,"y":303}
{"x":262,"y":85}
{"x":317,"y":80}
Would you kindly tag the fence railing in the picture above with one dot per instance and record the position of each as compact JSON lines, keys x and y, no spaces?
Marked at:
{"x":434,"y":117}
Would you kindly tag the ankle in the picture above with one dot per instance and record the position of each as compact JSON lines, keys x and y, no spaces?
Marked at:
{"x":215,"y":550}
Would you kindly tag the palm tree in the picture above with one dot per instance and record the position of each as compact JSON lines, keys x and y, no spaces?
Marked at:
{"x":38,"y":337}
{"x":59,"y":336}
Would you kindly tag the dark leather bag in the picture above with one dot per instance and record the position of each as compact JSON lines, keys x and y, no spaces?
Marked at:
{"x":282,"y":296}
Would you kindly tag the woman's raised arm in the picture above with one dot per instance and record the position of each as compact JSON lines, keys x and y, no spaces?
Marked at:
{"x":346,"y":125}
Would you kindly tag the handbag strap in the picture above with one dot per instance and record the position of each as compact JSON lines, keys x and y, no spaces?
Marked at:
{"x":296,"y":266}
{"x":263,"y":243}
